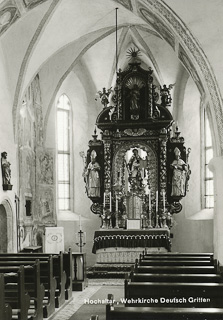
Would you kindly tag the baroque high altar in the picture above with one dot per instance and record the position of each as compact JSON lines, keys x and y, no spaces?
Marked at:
{"x":138,"y":172}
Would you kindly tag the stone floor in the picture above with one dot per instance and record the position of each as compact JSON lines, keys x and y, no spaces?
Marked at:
{"x":65,"y":312}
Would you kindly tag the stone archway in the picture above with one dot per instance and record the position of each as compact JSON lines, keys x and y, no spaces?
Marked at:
{"x":6,"y":227}
{"x":3,"y":229}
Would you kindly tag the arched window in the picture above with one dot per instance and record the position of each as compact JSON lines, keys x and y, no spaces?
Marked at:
{"x":63,"y":152}
{"x":208,"y":155}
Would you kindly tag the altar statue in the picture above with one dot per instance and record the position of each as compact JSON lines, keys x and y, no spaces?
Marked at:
{"x":92,"y":177}
{"x":179,"y":175}
{"x":134,"y":98}
{"x":134,"y":165}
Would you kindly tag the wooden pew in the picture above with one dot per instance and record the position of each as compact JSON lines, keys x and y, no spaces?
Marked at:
{"x":64,"y":266}
{"x":147,"y":313}
{"x":175,"y":269}
{"x":178,"y":277}
{"x":165,"y":294}
{"x":5,"y":308}
{"x":172,"y":255}
{"x":175,"y":262}
{"x":68,"y":268}
{"x":46,"y":278}
{"x":32,"y":285}
{"x":60,"y":275}
{"x":62,"y":271}
{"x":16,"y":295}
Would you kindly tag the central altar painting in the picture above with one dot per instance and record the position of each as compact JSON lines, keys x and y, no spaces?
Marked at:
{"x":138,"y":172}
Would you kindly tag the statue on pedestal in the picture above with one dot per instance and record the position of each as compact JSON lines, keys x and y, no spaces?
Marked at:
{"x":6,"y":172}
{"x":135,"y":175}
{"x":179,"y":175}
{"x":92,"y":177}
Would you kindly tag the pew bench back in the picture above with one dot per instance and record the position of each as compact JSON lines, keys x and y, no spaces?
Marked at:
{"x":164,"y":294}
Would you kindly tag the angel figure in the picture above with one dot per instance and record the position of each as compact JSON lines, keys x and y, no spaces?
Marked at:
{"x":103,"y":95}
{"x":165,"y":95}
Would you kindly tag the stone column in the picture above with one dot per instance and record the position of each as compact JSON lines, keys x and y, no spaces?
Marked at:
{"x":216,"y":166}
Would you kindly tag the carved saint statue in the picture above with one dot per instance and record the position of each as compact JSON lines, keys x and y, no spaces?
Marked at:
{"x":134,"y":166}
{"x":180,"y":169}
{"x":6,"y":171}
{"x":92,"y":177}
{"x":134,"y":98}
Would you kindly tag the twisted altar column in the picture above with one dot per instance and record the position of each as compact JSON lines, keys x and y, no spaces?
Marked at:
{"x":163,"y":168}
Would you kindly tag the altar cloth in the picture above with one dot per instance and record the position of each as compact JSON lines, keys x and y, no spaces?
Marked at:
{"x":132,"y":239}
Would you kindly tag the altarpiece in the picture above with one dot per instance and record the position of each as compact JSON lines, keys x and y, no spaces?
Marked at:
{"x":138,"y":172}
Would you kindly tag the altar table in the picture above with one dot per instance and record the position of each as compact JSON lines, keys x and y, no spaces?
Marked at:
{"x":131,"y":239}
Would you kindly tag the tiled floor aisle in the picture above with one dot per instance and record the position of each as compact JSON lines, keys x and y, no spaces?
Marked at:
{"x":78,"y":298}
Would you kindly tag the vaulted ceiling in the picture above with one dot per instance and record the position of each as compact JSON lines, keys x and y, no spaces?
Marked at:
{"x":178,"y":39}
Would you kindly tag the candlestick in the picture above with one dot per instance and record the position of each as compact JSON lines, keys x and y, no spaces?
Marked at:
{"x":149,"y":199}
{"x":157,"y":216}
{"x":104,"y":199}
{"x":156,"y":201}
{"x":164,"y":208}
{"x":110,"y":202}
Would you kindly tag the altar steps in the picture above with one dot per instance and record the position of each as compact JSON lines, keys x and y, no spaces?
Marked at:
{"x":184,"y":262}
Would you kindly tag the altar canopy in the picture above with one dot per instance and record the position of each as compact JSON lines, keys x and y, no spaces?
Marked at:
{"x":139,"y":169}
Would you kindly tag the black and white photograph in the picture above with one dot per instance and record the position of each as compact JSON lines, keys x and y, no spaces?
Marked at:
{"x":111,"y":146}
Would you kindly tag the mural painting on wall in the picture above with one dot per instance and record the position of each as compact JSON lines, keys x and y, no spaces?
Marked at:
{"x":39,"y":127}
{"x":35,"y":164}
{"x":9,"y":13}
{"x":26,"y":132}
{"x":29,"y":172}
{"x":45,"y":167}
{"x":36,"y":93}
{"x":45,"y":191}
{"x":46,"y":205}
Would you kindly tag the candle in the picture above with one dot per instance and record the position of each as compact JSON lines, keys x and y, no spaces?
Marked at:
{"x":116,"y":204}
{"x":104,"y":199}
{"x":80,"y":221}
{"x":164,"y":201}
{"x":149,"y":200}
{"x":110,"y":202}
{"x":156,"y":201}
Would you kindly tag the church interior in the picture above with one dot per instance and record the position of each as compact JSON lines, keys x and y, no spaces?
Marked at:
{"x":111,"y":157}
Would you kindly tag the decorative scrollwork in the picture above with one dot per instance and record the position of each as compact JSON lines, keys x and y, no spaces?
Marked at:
{"x":175,"y":207}
{"x":97,"y":208}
